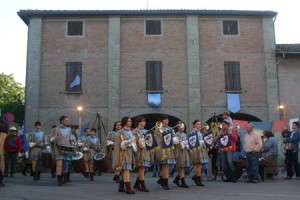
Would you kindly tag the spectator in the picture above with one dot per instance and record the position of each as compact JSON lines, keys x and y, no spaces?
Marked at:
{"x":3,"y":135}
{"x":12,"y":146}
{"x":1,"y":179}
{"x":156,"y":170}
{"x":292,"y":143}
{"x":270,"y":152}
{"x":252,"y":145}
{"x":227,"y":151}
{"x":2,"y":138}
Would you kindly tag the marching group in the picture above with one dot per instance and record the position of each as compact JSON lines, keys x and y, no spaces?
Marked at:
{"x":209,"y":152}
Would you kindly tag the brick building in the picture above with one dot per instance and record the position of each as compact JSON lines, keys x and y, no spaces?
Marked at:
{"x":193,"y":58}
{"x":288,"y":62}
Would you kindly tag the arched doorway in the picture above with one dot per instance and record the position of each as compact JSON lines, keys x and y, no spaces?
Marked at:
{"x":237,"y":116}
{"x":152,"y":118}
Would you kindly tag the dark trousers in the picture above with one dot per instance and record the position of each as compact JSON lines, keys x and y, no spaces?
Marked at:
{"x":10,"y":158}
{"x":252,"y":162}
{"x":292,"y":161}
{"x":97,"y":167}
{"x":1,"y":176}
{"x":228,"y":165}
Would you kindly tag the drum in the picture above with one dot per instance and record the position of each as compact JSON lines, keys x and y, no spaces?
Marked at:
{"x":66,"y":148}
{"x":79,"y":165}
{"x":46,"y":158}
{"x":101,"y":161}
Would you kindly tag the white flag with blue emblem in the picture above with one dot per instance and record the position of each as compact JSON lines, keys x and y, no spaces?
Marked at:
{"x":75,"y":82}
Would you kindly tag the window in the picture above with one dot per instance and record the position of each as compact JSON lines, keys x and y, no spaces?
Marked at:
{"x":153,"y":27}
{"x":73,"y":77}
{"x":154,"y":76}
{"x":230,"y":27}
{"x":232,"y":76}
{"x":75,"y":28}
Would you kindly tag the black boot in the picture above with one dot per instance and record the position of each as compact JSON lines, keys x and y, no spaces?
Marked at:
{"x":176,"y":181}
{"x":59,"y":180}
{"x":128,"y":188}
{"x":159,"y":181}
{"x":143,"y":186}
{"x":137,"y":184}
{"x":121,"y":186}
{"x":183,"y":184}
{"x":117,"y":178}
{"x":194,"y":178}
{"x":165,"y":184}
{"x":199,"y":181}
{"x":91,"y":176}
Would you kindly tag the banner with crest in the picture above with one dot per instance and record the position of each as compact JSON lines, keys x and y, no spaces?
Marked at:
{"x":167,"y":139}
{"x":150,"y":140}
{"x":208,"y":139}
{"x":193,"y":140}
{"x":224,"y":140}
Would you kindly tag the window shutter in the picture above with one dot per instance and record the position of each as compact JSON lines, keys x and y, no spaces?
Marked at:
{"x":230,"y":27}
{"x":153,"y":27}
{"x":75,"y":28}
{"x":153,"y":75}
{"x":232,"y":76}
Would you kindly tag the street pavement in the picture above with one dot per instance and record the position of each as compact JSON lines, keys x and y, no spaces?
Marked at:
{"x":23,"y":187}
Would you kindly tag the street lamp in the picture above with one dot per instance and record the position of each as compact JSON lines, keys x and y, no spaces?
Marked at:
{"x":79,"y":109}
{"x":281,"y":112}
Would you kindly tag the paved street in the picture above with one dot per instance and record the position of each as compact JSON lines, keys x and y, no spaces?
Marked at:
{"x":22,"y":187}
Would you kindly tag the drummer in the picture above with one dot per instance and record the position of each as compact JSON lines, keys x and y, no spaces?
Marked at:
{"x":68,"y":161}
{"x":60,"y":136}
{"x":36,"y":145}
{"x":81,"y":140}
{"x":93,"y":146}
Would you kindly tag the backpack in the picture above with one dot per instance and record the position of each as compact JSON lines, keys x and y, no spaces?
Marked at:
{"x":11,"y":142}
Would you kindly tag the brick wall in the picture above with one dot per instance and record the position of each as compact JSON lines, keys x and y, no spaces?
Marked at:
{"x":135,"y":50}
{"x":289,"y":81}
{"x":58,"y":49}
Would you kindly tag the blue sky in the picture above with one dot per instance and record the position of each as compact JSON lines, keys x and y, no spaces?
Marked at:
{"x":13,"y":37}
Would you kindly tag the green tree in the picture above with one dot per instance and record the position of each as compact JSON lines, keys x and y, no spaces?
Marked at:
{"x":12,"y":97}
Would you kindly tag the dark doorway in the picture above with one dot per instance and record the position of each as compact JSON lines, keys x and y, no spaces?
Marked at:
{"x":238,"y":116}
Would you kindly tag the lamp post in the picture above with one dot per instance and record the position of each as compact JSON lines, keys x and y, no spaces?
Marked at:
{"x":281,"y":112}
{"x":79,"y":109}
